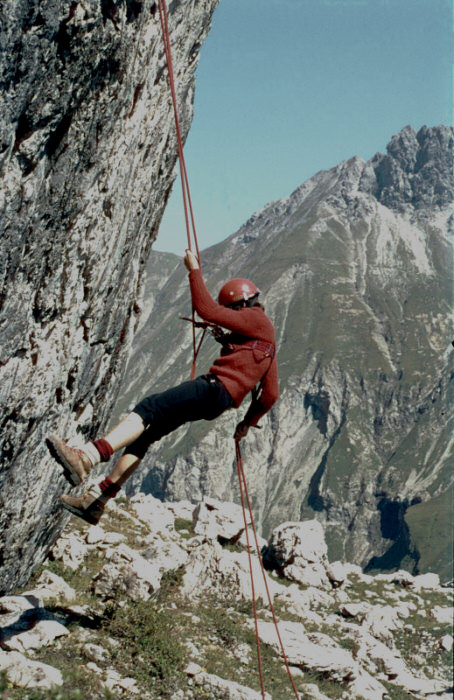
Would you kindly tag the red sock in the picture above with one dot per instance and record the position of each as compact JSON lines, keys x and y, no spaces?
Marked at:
{"x":108,"y":488}
{"x":104,"y":449}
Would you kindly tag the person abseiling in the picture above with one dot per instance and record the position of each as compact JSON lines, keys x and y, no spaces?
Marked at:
{"x":247,"y":359}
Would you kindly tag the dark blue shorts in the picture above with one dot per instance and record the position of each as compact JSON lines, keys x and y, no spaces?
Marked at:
{"x":203,"y":398}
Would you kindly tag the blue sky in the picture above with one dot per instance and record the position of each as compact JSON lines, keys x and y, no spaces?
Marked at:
{"x":286,"y":88}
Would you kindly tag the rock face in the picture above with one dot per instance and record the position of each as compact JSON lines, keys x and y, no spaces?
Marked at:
{"x":87,"y":157}
{"x":416,"y":172}
{"x":356,"y":272}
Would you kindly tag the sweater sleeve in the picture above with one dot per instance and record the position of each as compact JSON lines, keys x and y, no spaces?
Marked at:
{"x":241,"y":322}
{"x":268,"y":396}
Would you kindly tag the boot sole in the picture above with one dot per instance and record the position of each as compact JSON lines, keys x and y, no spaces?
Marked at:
{"x":68,"y":470}
{"x":80,"y":513}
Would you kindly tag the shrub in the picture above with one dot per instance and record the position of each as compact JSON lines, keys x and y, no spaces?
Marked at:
{"x":148,"y":641}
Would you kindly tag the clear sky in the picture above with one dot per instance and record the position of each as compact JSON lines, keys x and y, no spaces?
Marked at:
{"x":286,"y":88}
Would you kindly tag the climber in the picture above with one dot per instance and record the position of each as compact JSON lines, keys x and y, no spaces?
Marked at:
{"x":247,"y":361}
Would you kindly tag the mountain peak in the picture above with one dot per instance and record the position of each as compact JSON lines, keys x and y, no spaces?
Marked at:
{"x":416,"y":172}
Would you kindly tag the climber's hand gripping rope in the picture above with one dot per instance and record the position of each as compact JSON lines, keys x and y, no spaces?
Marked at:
{"x":190,"y":260}
{"x":241,"y":431}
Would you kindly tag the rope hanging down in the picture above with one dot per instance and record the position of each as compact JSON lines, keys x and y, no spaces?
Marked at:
{"x":188,"y":210}
{"x":187,"y":202}
{"x":244,"y":492}
{"x":190,"y":229}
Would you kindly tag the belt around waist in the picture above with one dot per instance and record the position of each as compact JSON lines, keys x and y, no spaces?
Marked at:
{"x":214,"y":379}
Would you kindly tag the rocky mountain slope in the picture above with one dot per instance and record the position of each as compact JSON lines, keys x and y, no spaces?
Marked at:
{"x":87,"y":160}
{"x":150,"y":604}
{"x":355,"y":267}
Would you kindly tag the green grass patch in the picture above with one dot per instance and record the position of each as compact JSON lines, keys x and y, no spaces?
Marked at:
{"x":148,"y":643}
{"x":184,"y":528}
{"x":431,"y":527}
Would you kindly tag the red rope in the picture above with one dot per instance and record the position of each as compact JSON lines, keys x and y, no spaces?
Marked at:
{"x":242,"y":479}
{"x":257,"y":638}
{"x":189,"y":218}
{"x":187,"y":201}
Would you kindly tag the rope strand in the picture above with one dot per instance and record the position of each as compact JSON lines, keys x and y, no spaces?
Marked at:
{"x":187,"y":201}
{"x":257,"y":637}
{"x":189,"y":219}
{"x":242,"y":477}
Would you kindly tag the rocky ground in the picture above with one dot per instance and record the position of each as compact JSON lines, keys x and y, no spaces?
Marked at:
{"x":155,"y":602}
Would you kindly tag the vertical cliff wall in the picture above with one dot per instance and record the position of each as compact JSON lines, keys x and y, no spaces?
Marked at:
{"x":87,"y":160}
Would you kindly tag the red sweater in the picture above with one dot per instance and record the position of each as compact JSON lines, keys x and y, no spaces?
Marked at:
{"x":241,"y":368}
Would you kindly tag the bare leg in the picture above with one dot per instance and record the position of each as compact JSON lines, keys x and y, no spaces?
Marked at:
{"x":125,"y":432}
{"x":126,"y":465}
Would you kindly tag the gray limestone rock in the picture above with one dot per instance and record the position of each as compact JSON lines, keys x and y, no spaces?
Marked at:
{"x":87,"y":160}
{"x":416,"y":172}
{"x":26,"y":673}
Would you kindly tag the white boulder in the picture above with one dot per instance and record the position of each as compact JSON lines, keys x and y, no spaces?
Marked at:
{"x":215,"y":519}
{"x":95,"y":534}
{"x":442,"y":615}
{"x":42,"y":633}
{"x":320,"y":653}
{"x":446,"y":642}
{"x":17,"y":604}
{"x":381,"y":621}
{"x":70,"y":550}
{"x":192,"y":669}
{"x":164,"y":553}
{"x":302,"y":540}
{"x":389,"y":662}
{"x":127,"y":572}
{"x":212,"y":569}
{"x":427,"y":582}
{"x":306,"y":574}
{"x":353,"y":610}
{"x":305,"y":603}
{"x":217,"y":687}
{"x":403,"y":577}
{"x":181,"y":509}
{"x":153,"y":512}
{"x":311,"y":692}
{"x":337,"y":573}
{"x":50,"y":585}
{"x":261,"y":541}
{"x":25,"y":673}
{"x":299,"y":551}
{"x":96,"y":653}
{"x":116,"y":683}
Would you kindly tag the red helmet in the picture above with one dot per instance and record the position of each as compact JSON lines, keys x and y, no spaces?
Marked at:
{"x":237,"y":290}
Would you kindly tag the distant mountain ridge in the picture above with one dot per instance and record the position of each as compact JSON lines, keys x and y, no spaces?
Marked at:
{"x":356,"y":272}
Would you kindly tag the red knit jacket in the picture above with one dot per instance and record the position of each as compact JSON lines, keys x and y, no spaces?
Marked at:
{"x":240,"y":369}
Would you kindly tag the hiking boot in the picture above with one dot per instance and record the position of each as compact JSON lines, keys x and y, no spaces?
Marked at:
{"x":76,"y":463}
{"x":86,"y":507}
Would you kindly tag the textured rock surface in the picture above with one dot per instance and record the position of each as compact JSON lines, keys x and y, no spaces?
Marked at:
{"x":87,"y":156}
{"x":27,"y":673}
{"x":370,"y":637}
{"x":356,"y":270}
